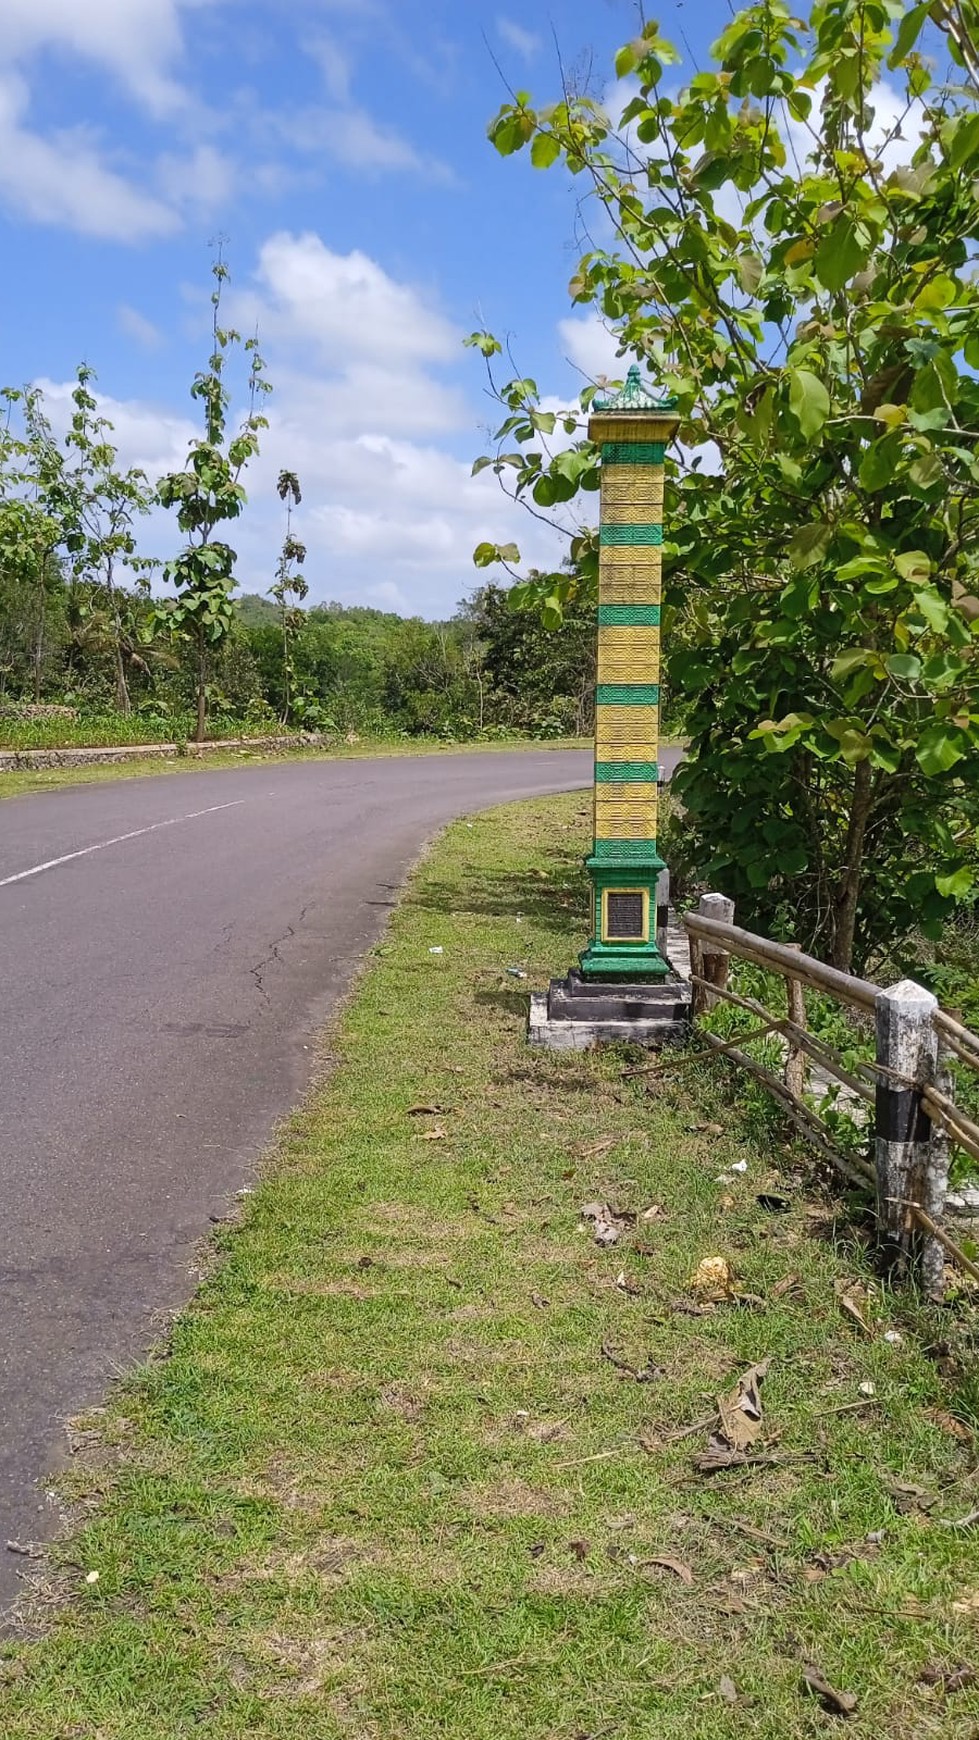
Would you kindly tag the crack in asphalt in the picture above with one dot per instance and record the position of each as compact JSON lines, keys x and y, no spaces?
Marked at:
{"x":258,"y":972}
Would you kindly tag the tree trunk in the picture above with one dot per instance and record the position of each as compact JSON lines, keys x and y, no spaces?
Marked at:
{"x":201,"y":688}
{"x":37,"y":650}
{"x":848,"y":888}
{"x":123,"y":702}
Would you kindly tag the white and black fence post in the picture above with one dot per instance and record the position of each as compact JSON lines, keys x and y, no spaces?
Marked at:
{"x":908,"y":1157}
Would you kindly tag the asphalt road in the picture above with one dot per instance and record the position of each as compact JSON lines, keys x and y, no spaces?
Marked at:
{"x":169,"y":949}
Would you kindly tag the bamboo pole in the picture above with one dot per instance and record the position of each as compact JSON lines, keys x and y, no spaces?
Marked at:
{"x":795,"y":1062}
{"x":852,"y":1169}
{"x":806,"y":1042}
{"x":731,"y":939}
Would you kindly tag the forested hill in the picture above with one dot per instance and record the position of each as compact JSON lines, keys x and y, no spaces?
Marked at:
{"x":349,"y":667}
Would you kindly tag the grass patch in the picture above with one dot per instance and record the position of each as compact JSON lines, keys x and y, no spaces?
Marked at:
{"x":386,"y":1484}
{"x":23,"y":780}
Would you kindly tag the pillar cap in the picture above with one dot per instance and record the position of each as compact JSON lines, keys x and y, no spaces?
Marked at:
{"x":634,"y":395}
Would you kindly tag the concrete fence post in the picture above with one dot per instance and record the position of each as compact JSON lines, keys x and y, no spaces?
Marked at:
{"x":708,"y":962}
{"x":907,"y":1045}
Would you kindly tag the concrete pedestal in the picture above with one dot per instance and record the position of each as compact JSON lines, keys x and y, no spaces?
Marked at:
{"x":575,"y":1013}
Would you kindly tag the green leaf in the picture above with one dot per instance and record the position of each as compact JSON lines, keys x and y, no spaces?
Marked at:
{"x":913,"y":565}
{"x":933,"y":608}
{"x":926,"y":471}
{"x":808,"y":400}
{"x":750,"y":270}
{"x":544,"y":151}
{"x":964,"y":141}
{"x":809,"y":543}
{"x":841,"y":254}
{"x":878,"y":463}
{"x":958,"y":884}
{"x":904,"y":666}
{"x":627,"y":59}
{"x":909,"y":31}
{"x":938,"y":750}
{"x":846,"y":663}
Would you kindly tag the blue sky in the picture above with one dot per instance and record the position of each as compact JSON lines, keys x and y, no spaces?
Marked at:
{"x":340,"y":147}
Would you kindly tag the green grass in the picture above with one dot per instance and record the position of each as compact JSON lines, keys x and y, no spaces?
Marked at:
{"x":118,"y":730}
{"x":23,"y":780}
{"x":384,"y":1485}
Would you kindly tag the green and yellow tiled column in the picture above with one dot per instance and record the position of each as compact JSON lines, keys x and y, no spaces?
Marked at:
{"x":632,"y":431}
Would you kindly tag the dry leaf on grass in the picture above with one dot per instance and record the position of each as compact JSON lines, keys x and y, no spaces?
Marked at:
{"x":677,"y":1566}
{"x":789,"y":1284}
{"x":706,"y":1129}
{"x":727,"y":1689}
{"x":839,"y":1703}
{"x":712,"y":1279}
{"x":608,"y":1224}
{"x":626,"y":1286}
{"x":427,"y":1111}
{"x":852,"y":1300}
{"x":436,"y":1134}
{"x":593,"y":1150}
{"x":740,"y":1410}
{"x":968,"y":1603}
{"x":948,"y":1423}
{"x":655,"y":1211}
{"x":948,"y":1679}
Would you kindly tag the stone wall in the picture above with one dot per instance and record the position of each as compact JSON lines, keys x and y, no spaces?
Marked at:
{"x":14,"y":760}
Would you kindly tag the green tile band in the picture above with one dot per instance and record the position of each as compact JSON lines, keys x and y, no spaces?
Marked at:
{"x":627,"y":694}
{"x":632,"y":536}
{"x":635,"y":772}
{"x":633,"y":452}
{"x":628,"y":615}
{"x":627,"y":852}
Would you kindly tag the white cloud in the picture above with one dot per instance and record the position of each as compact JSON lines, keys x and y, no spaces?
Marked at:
{"x":351,"y":136}
{"x":137,"y":40}
{"x":591,"y":346}
{"x":136,"y":326}
{"x":390,"y":515}
{"x":65,"y":179}
{"x":334,"y":63}
{"x":202,"y":181}
{"x":347,"y":305}
{"x":516,"y":37}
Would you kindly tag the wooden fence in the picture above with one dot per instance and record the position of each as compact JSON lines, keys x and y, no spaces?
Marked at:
{"x":904,"y":1098}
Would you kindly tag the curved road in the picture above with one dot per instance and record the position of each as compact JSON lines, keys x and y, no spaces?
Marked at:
{"x":169,"y":948}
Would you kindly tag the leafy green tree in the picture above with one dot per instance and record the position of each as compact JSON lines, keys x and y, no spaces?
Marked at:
{"x":207,"y":494}
{"x":794,"y":260}
{"x":289,"y":583}
{"x":99,"y":536}
{"x":538,"y":679}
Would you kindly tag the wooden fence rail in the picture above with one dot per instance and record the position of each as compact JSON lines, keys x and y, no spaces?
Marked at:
{"x":915,"y":1120}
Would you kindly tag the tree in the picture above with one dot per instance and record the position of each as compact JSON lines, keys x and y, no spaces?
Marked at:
{"x":289,"y":582}
{"x":38,"y":509}
{"x":794,"y":237}
{"x":209,"y":492}
{"x":99,"y":537}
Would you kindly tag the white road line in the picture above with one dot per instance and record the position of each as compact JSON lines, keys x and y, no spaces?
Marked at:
{"x":171,"y":822}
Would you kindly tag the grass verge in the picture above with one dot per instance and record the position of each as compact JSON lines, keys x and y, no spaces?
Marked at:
{"x":420,"y":1458}
{"x":24,"y":780}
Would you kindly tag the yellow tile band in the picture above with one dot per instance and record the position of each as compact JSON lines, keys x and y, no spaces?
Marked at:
{"x":627,"y":585}
{"x":624,"y":818}
{"x":628,"y":655}
{"x":632,"y":496}
{"x":648,"y":556}
{"x":625,"y":734}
